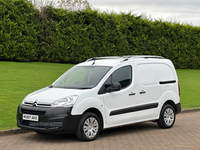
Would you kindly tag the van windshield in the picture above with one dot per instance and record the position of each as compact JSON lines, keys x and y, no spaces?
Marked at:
{"x":82,"y":77}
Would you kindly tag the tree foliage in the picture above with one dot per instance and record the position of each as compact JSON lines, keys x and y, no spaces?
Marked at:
{"x":71,"y":5}
{"x":60,"y":35}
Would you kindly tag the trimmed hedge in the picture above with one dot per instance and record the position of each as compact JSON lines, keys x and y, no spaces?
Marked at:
{"x":19,"y":29}
{"x":57,"y":35}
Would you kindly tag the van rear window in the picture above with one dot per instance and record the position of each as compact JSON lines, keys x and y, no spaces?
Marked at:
{"x":147,"y":74}
{"x":165,"y":73}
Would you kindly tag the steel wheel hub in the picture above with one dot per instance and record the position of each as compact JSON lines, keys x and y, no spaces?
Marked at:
{"x":169,"y":116}
{"x":90,"y":127}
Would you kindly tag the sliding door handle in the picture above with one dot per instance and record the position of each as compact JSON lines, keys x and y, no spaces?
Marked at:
{"x":142,"y":92}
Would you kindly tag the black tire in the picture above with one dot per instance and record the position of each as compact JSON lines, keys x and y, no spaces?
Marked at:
{"x":167,"y":117}
{"x":89,"y":127}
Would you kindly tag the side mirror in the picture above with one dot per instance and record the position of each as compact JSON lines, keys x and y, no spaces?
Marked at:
{"x":115,"y":87}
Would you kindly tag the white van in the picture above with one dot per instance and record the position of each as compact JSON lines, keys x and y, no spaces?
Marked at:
{"x":104,"y":92}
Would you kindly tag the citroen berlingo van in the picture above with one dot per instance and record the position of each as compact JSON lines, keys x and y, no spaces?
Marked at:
{"x":104,"y":92}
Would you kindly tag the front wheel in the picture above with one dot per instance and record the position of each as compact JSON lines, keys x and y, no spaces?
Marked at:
{"x":88,"y":127}
{"x":167,"y":117}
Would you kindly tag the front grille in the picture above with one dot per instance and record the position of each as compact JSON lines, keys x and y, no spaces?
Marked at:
{"x":37,"y":104}
{"x":33,"y":112}
{"x":25,"y":122}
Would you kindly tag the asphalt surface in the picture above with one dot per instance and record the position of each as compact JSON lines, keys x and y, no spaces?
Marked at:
{"x":184,"y":135}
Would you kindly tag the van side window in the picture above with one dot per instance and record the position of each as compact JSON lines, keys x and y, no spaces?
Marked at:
{"x":147,"y":74}
{"x":165,"y":73}
{"x":108,"y":83}
{"x":122,"y":75}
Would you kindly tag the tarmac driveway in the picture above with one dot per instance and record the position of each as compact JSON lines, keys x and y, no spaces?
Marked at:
{"x":184,"y":135}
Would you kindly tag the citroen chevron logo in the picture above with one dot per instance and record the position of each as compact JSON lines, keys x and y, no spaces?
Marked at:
{"x":35,"y":103}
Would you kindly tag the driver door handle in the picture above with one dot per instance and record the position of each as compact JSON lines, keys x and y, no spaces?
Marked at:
{"x":131,"y":94}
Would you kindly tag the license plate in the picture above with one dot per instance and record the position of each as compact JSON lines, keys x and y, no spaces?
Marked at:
{"x":30,"y":117}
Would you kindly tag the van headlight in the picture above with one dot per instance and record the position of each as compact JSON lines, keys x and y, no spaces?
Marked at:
{"x":65,"y":102}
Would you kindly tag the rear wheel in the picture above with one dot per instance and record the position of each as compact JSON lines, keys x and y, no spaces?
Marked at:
{"x":88,"y":127}
{"x":167,"y":117}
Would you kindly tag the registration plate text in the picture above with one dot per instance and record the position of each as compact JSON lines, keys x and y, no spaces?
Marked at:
{"x":30,"y":117}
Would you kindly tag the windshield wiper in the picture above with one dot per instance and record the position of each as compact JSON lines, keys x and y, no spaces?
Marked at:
{"x":83,"y":88}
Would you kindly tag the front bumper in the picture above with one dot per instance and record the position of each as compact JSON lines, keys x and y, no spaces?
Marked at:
{"x":56,"y":120}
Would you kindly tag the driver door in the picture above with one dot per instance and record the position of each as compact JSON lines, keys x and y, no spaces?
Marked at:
{"x":119,"y":105}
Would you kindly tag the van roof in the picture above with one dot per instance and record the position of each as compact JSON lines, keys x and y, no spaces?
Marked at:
{"x":114,"y":60}
{"x":126,"y":57}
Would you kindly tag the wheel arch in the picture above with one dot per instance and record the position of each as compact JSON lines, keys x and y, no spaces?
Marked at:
{"x":98,"y":113}
{"x":170,"y":102}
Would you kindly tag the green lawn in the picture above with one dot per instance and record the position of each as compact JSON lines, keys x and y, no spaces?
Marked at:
{"x":189,"y":80}
{"x":19,"y":79}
